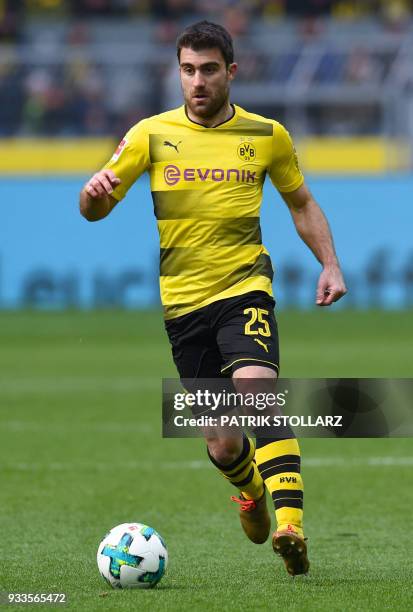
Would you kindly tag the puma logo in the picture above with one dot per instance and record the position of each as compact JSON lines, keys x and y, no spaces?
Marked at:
{"x":264,"y":346}
{"x":171,"y":144}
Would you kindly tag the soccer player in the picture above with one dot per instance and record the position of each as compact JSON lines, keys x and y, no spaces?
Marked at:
{"x":207,"y":162}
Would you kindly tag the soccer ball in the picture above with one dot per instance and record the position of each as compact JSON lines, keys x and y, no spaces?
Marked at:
{"x":131,"y":556}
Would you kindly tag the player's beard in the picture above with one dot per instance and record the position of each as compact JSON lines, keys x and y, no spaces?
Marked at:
{"x":209,"y":107}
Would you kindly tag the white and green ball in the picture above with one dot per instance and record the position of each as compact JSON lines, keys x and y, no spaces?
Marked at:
{"x":132,"y":556}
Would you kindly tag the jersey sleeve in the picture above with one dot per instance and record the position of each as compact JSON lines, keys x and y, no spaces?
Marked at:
{"x":284,"y":170}
{"x":131,"y":158}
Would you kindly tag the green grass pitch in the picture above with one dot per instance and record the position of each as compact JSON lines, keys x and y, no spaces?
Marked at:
{"x":81,"y":451}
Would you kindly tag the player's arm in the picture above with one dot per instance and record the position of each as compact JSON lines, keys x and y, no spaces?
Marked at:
{"x":312,"y":227}
{"x":96,"y":201}
{"x":110,"y":185}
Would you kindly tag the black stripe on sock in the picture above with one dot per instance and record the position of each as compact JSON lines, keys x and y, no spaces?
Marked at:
{"x":278,"y":465}
{"x":287,"y":497}
{"x":237,"y":472}
{"x":246,"y":480}
{"x":288,"y":503}
{"x":292,"y":493}
{"x":228,"y":468}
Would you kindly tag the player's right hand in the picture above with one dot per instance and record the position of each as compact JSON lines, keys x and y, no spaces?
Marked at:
{"x":102,"y":183}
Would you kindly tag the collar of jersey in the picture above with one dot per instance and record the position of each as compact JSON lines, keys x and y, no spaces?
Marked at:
{"x":199,"y":126}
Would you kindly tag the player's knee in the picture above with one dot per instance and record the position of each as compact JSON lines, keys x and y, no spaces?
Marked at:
{"x":254,"y":371}
{"x":246,"y":385}
{"x":224,"y":451}
{"x":261,"y":373}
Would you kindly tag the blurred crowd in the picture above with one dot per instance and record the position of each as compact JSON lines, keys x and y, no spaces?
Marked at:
{"x":77,"y":93}
{"x":13,"y":12}
{"x":72,"y":99}
{"x":83,"y":96}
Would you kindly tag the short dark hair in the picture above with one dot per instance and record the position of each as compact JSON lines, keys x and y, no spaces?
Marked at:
{"x":206,"y":35}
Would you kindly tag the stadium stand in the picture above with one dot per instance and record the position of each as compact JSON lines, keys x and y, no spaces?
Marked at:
{"x":93,"y":67}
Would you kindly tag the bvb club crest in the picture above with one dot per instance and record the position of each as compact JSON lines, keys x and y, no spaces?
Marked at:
{"x":246,"y":151}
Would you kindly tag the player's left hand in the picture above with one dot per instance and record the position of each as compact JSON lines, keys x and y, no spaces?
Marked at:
{"x":331,"y":286}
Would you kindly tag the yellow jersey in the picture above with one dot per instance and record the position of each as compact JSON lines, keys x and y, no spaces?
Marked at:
{"x":206,"y":186}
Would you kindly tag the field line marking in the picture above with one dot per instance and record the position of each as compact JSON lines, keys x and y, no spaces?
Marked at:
{"x":311,"y":462}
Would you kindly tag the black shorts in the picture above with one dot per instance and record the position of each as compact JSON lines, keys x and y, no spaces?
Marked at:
{"x":218,"y":339}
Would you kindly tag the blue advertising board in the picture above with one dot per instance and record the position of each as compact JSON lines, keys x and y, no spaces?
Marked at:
{"x":50,"y":257}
